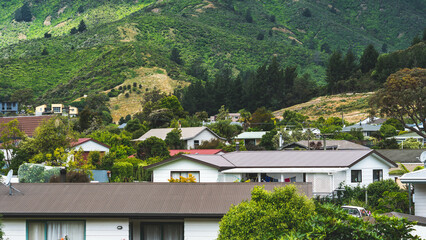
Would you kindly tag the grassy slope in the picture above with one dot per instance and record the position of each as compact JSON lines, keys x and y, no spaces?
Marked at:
{"x":108,"y":54}
{"x":354,"y":106}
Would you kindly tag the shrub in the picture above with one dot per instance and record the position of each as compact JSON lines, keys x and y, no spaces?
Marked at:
{"x":122,"y":171}
{"x":376,"y":190}
{"x":306,"y":12}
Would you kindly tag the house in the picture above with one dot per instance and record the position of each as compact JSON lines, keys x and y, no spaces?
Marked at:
{"x":123,"y":211}
{"x":90,"y":145}
{"x":56,"y":109}
{"x":418,"y":180}
{"x":324,"y":169}
{"x":366,"y":129}
{"x":234,"y":117}
{"x":195,"y":151}
{"x":9,"y":107}
{"x":409,"y":157}
{"x":250,"y":138}
{"x":401,"y":138}
{"x":330,"y":145}
{"x":191,"y":136}
{"x":27,"y":124}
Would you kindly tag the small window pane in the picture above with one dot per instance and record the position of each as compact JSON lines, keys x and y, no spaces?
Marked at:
{"x":356,"y":176}
{"x":152,"y":232}
{"x":36,"y":230}
{"x":377,"y":175}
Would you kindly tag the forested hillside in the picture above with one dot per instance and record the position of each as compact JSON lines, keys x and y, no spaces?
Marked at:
{"x":45,"y":48}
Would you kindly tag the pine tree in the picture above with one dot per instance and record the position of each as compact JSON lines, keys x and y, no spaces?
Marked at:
{"x":368,"y":59}
{"x":82,"y":26}
{"x":73,"y":30}
{"x":44,"y":52}
{"x":248,"y":16}
{"x":334,"y":71}
{"x":349,"y":64}
{"x":175,"y":56}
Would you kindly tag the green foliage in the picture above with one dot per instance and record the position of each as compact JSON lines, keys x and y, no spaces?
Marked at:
{"x":82,"y":26}
{"x":122,"y":171}
{"x":268,"y":215}
{"x":410,"y":143}
{"x":173,"y":139}
{"x":267,"y":140}
{"x":225,"y":129}
{"x":395,"y":123}
{"x":293,"y":119}
{"x":35,"y":173}
{"x":376,"y":190}
{"x":387,"y":130}
{"x":152,"y":147}
{"x":262,"y":119}
{"x":388,"y":144}
{"x":23,"y":14}
{"x":393,"y":202}
{"x":52,"y":134}
{"x":368,"y":59}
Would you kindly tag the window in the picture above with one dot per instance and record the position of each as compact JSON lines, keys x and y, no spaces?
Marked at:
{"x":356,"y":176}
{"x":56,"y":109}
{"x":162,"y":231}
{"x":270,"y":177}
{"x":377,"y":175}
{"x":253,"y":177}
{"x":53,"y":230}
{"x":196,"y":143}
{"x":177,"y":175}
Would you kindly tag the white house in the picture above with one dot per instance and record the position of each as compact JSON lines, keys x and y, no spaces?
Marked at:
{"x":403,"y":137}
{"x":251,"y":138}
{"x":123,"y":211}
{"x":418,"y":180}
{"x":324,"y":169}
{"x":366,"y":129}
{"x":191,"y":136}
{"x":90,"y":145}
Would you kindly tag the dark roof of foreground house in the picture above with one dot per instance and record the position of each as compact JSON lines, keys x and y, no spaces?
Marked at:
{"x":412,"y":218}
{"x":27,"y":124}
{"x":402,"y":155}
{"x":129,"y":199}
{"x":280,"y":159}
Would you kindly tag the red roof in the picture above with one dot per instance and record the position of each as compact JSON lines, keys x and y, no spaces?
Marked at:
{"x":195,"y":151}
{"x":83,"y":140}
{"x":27,"y":124}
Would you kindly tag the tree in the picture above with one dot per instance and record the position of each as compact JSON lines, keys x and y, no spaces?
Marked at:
{"x":415,"y":40}
{"x":268,"y":215}
{"x":173,"y":139}
{"x":225,"y":129}
{"x":368,"y":59}
{"x":52,"y":134}
{"x":9,"y":135}
{"x":245,"y":118}
{"x":223,"y":113}
{"x":394,"y":122}
{"x":334,"y":71}
{"x":152,"y":147}
{"x":44,"y":52}
{"x":260,"y":36}
{"x":73,"y":31}
{"x":175,"y":56}
{"x":267,"y":140}
{"x":388,"y":144}
{"x":403,"y":96}
{"x":376,"y":189}
{"x":262,"y":119}
{"x":387,"y":130}
{"x":133,"y":125}
{"x":47,"y":35}
{"x":23,"y":96}
{"x":411,"y":143}
{"x":306,"y":12}
{"x":248,"y":16}
{"x":82,"y":26}
{"x":23,"y":14}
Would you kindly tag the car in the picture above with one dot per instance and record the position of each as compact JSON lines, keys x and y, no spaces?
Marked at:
{"x":356,"y":211}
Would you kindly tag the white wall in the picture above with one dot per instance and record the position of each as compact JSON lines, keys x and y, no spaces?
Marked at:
{"x":90,"y":146}
{"x":205,"y":135}
{"x":163,"y":173}
{"x":229,"y":177}
{"x":420,"y":231}
{"x":14,"y":229}
{"x":106,"y":229}
{"x":367,"y":165}
{"x":8,"y":154}
{"x":201,"y":229}
{"x":420,"y":199}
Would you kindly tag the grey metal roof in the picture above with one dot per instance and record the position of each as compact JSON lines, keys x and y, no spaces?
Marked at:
{"x":341,"y":144}
{"x":128,"y":199}
{"x":412,"y":218}
{"x":281,"y":159}
{"x":251,"y":135}
{"x":364,"y":127}
{"x":414,"y":177}
{"x":187,"y":133}
{"x":402,"y":155}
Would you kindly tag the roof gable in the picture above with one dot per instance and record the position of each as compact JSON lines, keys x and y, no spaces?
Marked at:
{"x":187,"y":133}
{"x":84,"y":140}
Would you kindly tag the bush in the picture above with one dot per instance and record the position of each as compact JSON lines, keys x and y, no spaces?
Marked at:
{"x":376,"y":190}
{"x":36,"y":173}
{"x":122,"y":171}
{"x":306,"y":12}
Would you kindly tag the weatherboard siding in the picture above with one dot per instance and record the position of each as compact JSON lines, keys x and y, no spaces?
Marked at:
{"x":14,"y":229}
{"x":367,"y":165}
{"x":207,"y":173}
{"x":201,"y":229}
{"x":205,"y":135}
{"x":420,"y":199}
{"x":106,"y":229}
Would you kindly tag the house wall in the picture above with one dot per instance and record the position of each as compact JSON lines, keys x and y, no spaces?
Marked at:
{"x":420,"y":231}
{"x":6,"y":154}
{"x":163,"y":173}
{"x":201,"y":229}
{"x":205,"y":135}
{"x":90,"y":146}
{"x":14,"y":229}
{"x":105,"y":229}
{"x":420,"y":199}
{"x":367,"y":165}
{"x":229,"y":177}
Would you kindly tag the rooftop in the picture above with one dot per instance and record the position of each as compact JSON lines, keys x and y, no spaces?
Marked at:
{"x":187,"y":133}
{"x":251,"y":135}
{"x":128,"y":199}
{"x":27,"y":124}
{"x":195,"y":151}
{"x":364,"y":127}
{"x":341,"y":144}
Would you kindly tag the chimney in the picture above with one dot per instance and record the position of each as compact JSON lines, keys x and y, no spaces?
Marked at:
{"x":180,"y":125}
{"x":63,"y":174}
{"x":237,"y":146}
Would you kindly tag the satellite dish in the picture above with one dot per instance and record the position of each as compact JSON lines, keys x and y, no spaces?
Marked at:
{"x":423,"y":157}
{"x":9,"y":177}
{"x":8,"y":183}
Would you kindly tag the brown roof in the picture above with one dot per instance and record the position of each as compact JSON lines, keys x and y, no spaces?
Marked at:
{"x":281,"y":159}
{"x":128,"y":199}
{"x":27,"y":124}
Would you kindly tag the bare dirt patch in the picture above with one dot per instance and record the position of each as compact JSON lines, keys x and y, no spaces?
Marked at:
{"x":156,"y":10}
{"x":47,"y":21}
{"x":128,"y":32}
{"x":354,"y":106}
{"x":295,"y":39}
{"x":148,"y":78}
{"x":22,"y":36}
{"x":283,"y":30}
{"x":60,"y":11}
{"x":61,"y":24}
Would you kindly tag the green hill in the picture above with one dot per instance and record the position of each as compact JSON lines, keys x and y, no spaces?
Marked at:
{"x":125,"y":35}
